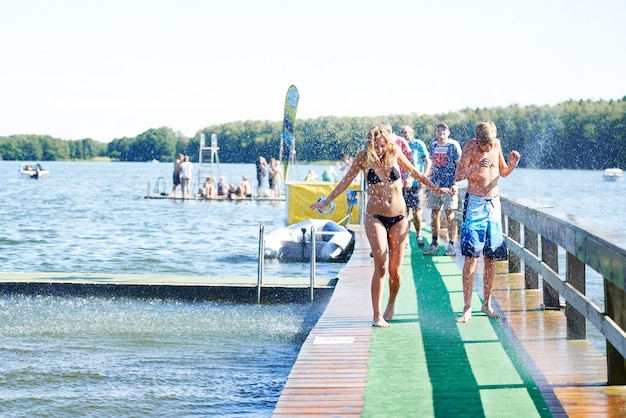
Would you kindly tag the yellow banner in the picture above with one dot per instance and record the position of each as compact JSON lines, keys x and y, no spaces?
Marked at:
{"x":300,"y":195}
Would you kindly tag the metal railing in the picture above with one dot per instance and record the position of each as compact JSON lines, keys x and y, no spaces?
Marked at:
{"x":259,"y":280}
{"x":261,"y":262}
{"x":353,"y":200}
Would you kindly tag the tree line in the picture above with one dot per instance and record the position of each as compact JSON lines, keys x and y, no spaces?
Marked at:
{"x":582,"y":134}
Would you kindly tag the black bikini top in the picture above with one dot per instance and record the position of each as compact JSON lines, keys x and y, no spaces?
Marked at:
{"x":372,"y":177}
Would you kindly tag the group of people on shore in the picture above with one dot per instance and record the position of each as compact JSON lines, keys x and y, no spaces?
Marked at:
{"x":397,"y":170}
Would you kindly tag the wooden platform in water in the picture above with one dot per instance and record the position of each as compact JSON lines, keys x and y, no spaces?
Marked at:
{"x":280,"y":289}
{"x":428,"y":365}
{"x":218,"y":199}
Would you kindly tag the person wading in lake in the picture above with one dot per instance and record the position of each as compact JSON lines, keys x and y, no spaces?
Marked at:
{"x":482,"y":163}
{"x":386,"y":223}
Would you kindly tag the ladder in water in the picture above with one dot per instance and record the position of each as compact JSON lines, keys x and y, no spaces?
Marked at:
{"x":207,"y":161}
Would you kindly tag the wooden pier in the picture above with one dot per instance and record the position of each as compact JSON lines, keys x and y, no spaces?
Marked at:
{"x":534,"y":361}
{"x":428,"y":365}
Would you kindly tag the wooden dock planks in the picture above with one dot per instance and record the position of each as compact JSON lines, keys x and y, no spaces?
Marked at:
{"x":572,"y":374}
{"x":330,"y":379}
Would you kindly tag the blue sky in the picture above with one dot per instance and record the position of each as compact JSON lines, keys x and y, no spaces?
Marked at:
{"x":105,"y":69}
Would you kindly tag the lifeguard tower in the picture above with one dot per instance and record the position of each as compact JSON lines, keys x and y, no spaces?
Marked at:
{"x":208,"y":160}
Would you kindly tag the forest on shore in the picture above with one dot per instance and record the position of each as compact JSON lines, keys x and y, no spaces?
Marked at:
{"x":584,"y":134}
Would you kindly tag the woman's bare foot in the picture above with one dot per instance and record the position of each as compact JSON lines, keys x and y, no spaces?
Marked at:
{"x":467,"y":314}
{"x":380,"y":323}
{"x":388,"y":315}
{"x":487,"y":309}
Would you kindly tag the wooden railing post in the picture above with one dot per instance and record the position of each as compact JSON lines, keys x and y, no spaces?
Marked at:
{"x":550,"y":256}
{"x":575,"y":275}
{"x":531,"y":243}
{"x":513,"y":231}
{"x":615,"y":305}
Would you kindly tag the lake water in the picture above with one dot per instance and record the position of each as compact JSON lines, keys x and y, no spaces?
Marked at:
{"x":121,"y":357}
{"x":581,"y":193}
{"x":578,"y":192}
{"x":93,"y":217}
{"x":114,"y":356}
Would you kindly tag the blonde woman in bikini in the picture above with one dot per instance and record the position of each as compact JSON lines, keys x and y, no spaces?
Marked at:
{"x":386,"y":224}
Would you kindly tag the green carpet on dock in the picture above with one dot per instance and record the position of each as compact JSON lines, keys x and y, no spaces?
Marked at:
{"x":427,"y":364}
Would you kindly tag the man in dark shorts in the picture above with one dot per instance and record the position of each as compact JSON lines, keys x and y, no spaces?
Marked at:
{"x":414,"y":195}
{"x":176,"y":174}
{"x":261,"y":172}
{"x":445,"y":154}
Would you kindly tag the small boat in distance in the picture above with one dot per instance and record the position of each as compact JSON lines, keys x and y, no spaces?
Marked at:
{"x":34,"y":171}
{"x":613,"y":174}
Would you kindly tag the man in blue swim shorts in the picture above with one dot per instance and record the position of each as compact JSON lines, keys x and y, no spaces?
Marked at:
{"x":481,"y":230}
{"x":482,"y":163}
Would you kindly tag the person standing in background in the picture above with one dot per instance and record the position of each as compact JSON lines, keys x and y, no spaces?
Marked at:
{"x":261,"y":173}
{"x":402,"y":144}
{"x":271,"y":176}
{"x":186,"y":174}
{"x":176,"y":174}
{"x":414,"y":193}
{"x":445,"y":154}
{"x":482,"y":164}
{"x":278,"y":177}
{"x":344,"y":164}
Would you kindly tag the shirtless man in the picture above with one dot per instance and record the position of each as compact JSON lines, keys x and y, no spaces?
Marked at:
{"x":482,"y":163}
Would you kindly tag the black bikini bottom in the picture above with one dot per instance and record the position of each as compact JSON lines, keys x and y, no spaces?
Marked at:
{"x":388,"y":221}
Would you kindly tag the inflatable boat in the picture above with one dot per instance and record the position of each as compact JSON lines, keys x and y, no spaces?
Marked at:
{"x":333,"y":242}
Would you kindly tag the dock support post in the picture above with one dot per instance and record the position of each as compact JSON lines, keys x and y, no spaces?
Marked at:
{"x":259,"y":280}
{"x":313,"y":256}
{"x":531,"y":243}
{"x":615,"y":308}
{"x":513,"y":231}
{"x":550,"y":256}
{"x":575,"y":275}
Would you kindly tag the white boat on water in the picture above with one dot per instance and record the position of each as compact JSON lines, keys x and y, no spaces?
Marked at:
{"x":613,"y":174}
{"x":34,"y":170}
{"x":333,"y":242}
